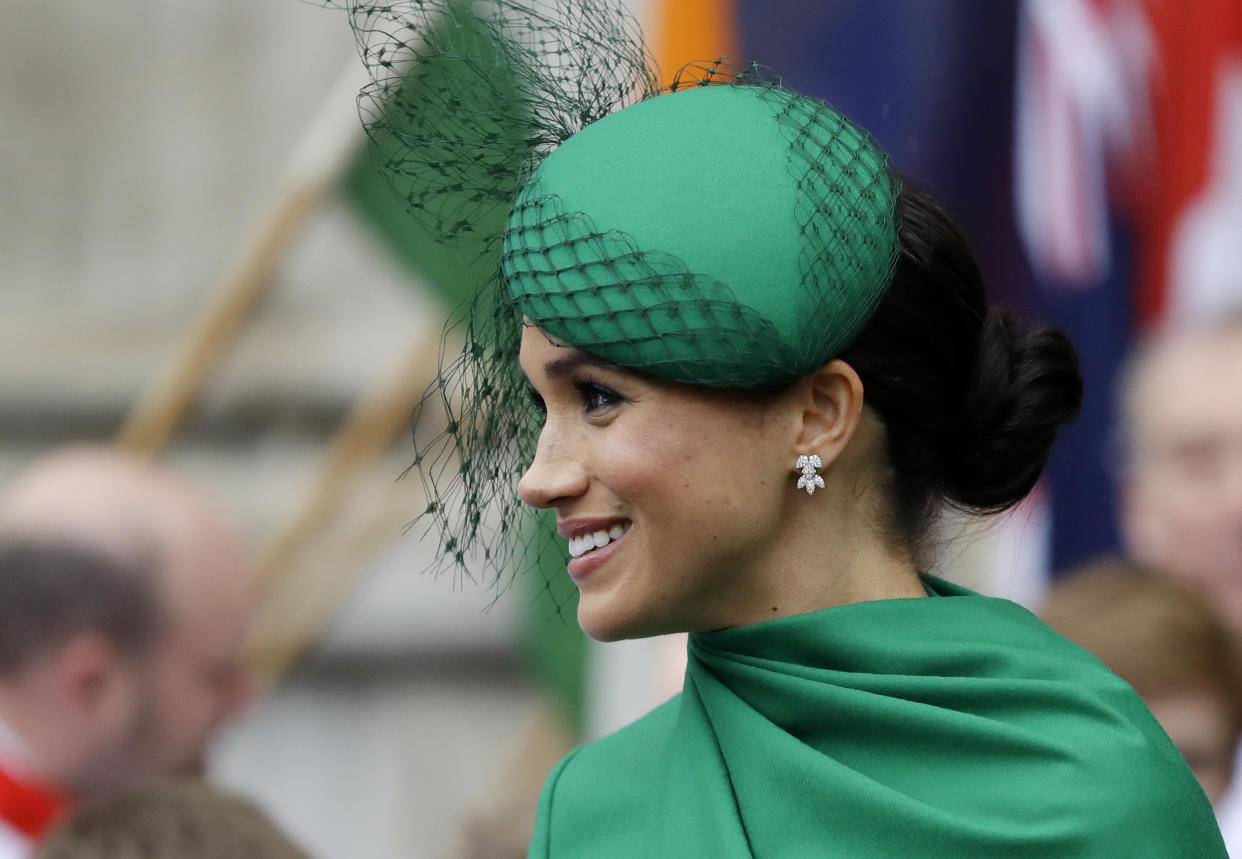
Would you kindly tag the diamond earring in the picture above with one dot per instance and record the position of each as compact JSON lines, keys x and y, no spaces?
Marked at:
{"x":809,"y":480}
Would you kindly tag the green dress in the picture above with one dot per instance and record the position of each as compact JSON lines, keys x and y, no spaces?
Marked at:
{"x":955,"y":726}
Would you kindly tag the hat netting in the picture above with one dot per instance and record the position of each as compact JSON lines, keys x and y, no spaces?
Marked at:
{"x":543,"y":71}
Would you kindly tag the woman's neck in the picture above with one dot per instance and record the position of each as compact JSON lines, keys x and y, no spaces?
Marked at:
{"x":830,"y":553}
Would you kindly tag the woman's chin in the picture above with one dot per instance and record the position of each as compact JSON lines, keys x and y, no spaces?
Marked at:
{"x":604,"y":622}
{"x":602,"y":626}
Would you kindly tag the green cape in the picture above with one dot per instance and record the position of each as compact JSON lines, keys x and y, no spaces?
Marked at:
{"x":944,"y":727}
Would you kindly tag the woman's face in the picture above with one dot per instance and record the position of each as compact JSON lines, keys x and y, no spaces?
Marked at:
{"x":669,"y":495}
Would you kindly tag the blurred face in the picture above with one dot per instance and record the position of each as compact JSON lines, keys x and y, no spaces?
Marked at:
{"x":1183,"y":504}
{"x":198,"y":675}
{"x":196,"y":684}
{"x":668,"y":496}
{"x":107,"y":712}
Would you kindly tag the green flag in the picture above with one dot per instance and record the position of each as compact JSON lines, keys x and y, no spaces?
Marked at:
{"x":456,"y":112}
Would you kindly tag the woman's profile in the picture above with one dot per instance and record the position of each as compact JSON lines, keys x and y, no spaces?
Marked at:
{"x":755,"y":365}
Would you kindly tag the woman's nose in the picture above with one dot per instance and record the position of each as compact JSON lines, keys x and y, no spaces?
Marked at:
{"x":554,"y":475}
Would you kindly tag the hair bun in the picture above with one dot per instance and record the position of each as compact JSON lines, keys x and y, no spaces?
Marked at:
{"x":1025,"y":384}
{"x":970,"y":396}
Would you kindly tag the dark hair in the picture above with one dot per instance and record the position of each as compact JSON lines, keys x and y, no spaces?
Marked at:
{"x":51,"y":590}
{"x":970,"y":396}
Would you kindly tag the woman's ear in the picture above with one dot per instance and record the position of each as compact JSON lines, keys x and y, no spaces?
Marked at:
{"x":832,"y":401}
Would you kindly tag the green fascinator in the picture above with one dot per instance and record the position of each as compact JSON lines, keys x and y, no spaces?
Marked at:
{"x":722,"y":231}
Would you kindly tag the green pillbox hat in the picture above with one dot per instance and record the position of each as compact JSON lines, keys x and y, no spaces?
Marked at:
{"x":736,"y":236}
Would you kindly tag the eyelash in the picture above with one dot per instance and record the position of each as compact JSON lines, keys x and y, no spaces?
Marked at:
{"x":593,"y":391}
{"x":595,"y":397}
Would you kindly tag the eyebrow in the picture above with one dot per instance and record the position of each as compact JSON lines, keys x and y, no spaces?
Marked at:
{"x":559,"y":368}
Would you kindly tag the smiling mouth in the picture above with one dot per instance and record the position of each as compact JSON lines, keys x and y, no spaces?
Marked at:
{"x":585,"y":543}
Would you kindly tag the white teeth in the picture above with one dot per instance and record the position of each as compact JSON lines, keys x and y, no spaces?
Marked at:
{"x":584,"y":543}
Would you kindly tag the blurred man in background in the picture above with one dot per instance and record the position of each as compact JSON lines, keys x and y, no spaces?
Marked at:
{"x":125,"y":601}
{"x":1182,"y":477}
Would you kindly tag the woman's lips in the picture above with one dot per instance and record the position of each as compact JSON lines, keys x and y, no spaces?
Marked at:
{"x":591,"y":538}
{"x":583,"y":565}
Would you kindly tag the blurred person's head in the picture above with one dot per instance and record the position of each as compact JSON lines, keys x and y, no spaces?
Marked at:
{"x":1181,"y":402}
{"x":76,"y":633}
{"x":176,"y":820}
{"x":1164,"y":640}
{"x":102,"y":547}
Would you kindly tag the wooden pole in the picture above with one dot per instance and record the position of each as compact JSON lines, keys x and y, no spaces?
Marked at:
{"x":299,"y":598}
{"x":367,"y":432}
{"x":295,"y":609}
{"x":316,"y":163}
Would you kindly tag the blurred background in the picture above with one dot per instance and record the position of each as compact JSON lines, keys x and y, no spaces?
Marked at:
{"x":182,"y":198}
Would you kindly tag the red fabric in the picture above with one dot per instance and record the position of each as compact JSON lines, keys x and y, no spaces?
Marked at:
{"x":27,"y":806}
{"x":1190,"y":42}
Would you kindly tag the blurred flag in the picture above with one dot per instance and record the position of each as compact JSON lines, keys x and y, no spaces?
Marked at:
{"x":392,"y":204}
{"x":1128,"y":158}
{"x":1190,"y":218}
{"x":1077,"y":124}
{"x":410,"y":211}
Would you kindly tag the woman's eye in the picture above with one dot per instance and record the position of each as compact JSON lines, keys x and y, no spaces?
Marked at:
{"x":596,"y":397}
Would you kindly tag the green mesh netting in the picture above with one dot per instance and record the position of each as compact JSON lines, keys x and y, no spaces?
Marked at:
{"x":423,"y":114}
{"x":734,"y":236}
